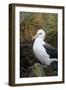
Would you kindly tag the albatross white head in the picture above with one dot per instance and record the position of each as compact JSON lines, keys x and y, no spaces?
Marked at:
{"x":40,"y":34}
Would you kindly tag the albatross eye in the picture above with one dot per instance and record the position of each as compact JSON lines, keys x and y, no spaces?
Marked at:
{"x":40,"y":33}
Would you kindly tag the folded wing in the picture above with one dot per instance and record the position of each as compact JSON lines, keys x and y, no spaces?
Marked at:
{"x":53,"y":52}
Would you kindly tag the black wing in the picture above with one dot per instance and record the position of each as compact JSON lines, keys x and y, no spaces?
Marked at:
{"x":51,"y":51}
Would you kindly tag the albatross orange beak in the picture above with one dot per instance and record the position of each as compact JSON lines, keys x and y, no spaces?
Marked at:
{"x":34,"y":37}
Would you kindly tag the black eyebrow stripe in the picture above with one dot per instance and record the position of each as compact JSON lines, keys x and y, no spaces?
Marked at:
{"x":40,"y":33}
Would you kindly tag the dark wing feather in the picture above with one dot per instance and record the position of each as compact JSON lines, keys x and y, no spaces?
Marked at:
{"x":51,"y":51}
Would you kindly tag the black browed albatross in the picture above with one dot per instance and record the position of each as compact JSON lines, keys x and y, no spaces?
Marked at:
{"x":45,"y":53}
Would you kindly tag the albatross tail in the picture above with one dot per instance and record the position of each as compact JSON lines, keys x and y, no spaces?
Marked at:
{"x":53,"y":59}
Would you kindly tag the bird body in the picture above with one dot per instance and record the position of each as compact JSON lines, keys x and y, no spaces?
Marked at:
{"x":40,"y":52}
{"x":39,"y":49}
